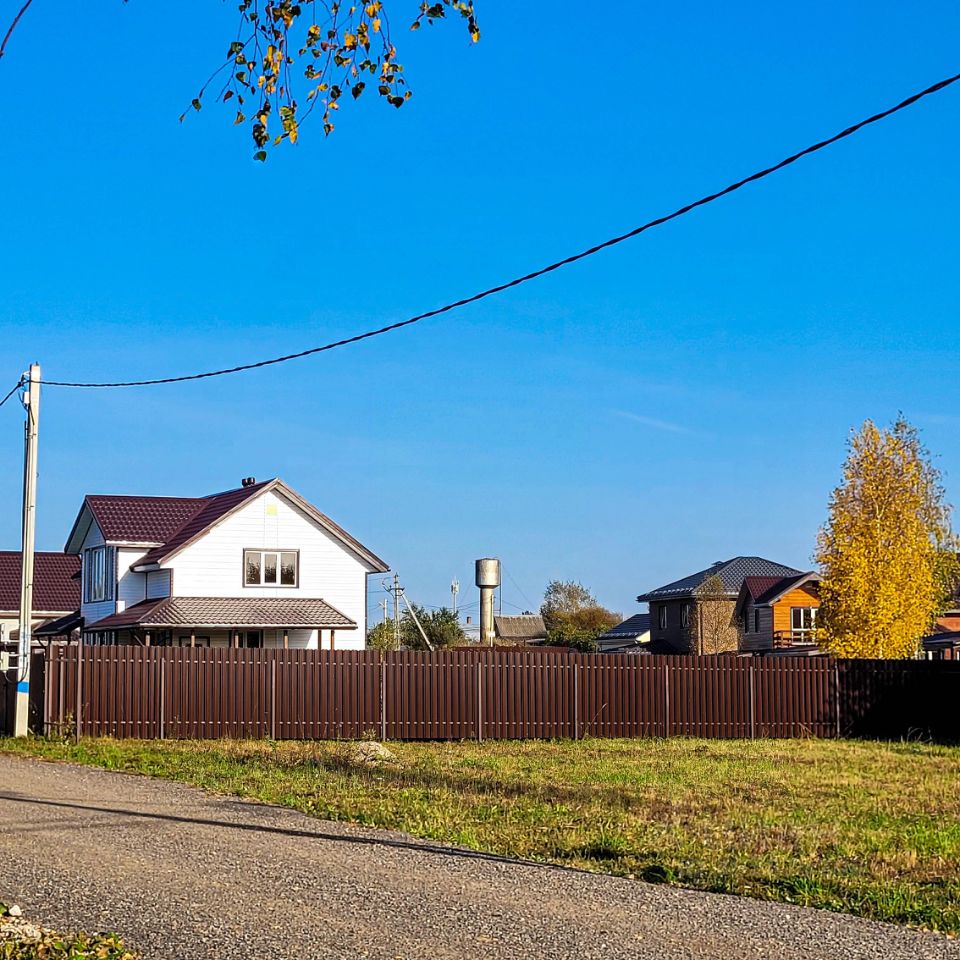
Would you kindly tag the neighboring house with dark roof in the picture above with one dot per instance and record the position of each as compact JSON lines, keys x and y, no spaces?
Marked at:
{"x":681,"y":611}
{"x":520,"y":629}
{"x":257,"y":566}
{"x":779,"y":614}
{"x":629,"y":636}
{"x":56,"y":590}
{"x":943,"y":645}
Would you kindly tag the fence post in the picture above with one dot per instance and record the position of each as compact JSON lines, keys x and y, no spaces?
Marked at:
{"x":753,"y":714}
{"x":163,"y":695}
{"x":273,"y":697}
{"x":60,"y":691}
{"x":836,"y":694}
{"x":79,"y":703}
{"x":383,"y":697}
{"x":479,"y":699}
{"x":666,"y":700}
{"x":576,"y":701}
{"x":47,"y":718}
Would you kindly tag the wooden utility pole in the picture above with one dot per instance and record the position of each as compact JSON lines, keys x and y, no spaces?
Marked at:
{"x":31,"y":403}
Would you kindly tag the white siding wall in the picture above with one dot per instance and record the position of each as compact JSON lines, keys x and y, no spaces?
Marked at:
{"x":131,"y":587}
{"x":213,"y":566}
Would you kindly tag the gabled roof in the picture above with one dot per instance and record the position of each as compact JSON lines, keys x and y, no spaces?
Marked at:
{"x":168,"y":524}
{"x":56,"y":581}
{"x":766,"y":591}
{"x":732,"y":573}
{"x":227,"y":613}
{"x":630,"y":629}
{"x":210,"y":510}
{"x":141,"y":519}
{"x":527,"y":626}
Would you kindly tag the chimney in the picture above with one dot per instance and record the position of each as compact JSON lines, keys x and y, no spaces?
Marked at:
{"x":248,"y":481}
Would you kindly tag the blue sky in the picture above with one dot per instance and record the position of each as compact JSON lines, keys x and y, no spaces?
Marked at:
{"x":680,"y":399}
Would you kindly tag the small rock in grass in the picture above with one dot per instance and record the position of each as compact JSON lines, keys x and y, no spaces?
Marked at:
{"x":370,"y":752}
{"x":14,"y":911}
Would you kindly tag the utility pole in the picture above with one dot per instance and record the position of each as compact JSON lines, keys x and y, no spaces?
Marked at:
{"x":31,"y":403}
{"x":383,"y":605}
{"x":455,"y":589}
{"x":396,"y":609}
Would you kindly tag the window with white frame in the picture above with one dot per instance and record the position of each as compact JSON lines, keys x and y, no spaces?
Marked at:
{"x":803,"y":623}
{"x":97,"y":574}
{"x":685,"y":616}
{"x":271,"y":568}
{"x":662,"y":616}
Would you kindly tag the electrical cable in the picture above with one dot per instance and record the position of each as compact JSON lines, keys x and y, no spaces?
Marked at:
{"x":566,"y":261}
{"x":15,"y":388}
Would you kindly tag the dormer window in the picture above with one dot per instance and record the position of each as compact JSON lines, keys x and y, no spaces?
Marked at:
{"x":271,"y":568}
{"x":97,"y":574}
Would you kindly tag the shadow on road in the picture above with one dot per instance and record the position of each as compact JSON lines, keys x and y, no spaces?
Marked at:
{"x":383,"y":841}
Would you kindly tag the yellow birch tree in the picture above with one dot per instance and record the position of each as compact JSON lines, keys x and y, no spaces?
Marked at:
{"x":886,"y":552}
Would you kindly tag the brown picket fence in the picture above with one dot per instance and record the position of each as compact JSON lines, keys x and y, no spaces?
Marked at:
{"x":172,"y":692}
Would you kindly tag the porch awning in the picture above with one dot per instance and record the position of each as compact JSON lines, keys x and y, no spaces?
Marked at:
{"x":61,"y":627}
{"x":228,"y":613}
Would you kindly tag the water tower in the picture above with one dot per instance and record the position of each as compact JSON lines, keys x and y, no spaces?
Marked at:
{"x":488,"y":579}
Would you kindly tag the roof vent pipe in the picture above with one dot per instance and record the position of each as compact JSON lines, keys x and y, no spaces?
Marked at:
{"x":248,"y":481}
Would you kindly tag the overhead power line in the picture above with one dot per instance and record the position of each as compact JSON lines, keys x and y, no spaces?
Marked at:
{"x":13,"y":390}
{"x":566,"y":261}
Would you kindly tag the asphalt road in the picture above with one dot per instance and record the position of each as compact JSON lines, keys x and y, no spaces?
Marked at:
{"x":183,"y":874}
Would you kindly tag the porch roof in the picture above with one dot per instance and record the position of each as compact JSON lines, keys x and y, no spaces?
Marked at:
{"x":61,"y":627}
{"x":292,"y":613}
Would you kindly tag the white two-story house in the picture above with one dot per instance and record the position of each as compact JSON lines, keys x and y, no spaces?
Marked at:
{"x":257,"y":566}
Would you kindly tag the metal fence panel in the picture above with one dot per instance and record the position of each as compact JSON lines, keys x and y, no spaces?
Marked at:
{"x":152,"y":692}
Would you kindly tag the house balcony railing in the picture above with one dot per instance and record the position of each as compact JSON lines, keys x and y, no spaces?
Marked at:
{"x":783,"y":639}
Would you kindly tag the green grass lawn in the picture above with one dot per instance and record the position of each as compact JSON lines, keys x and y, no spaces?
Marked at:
{"x":868,"y":828}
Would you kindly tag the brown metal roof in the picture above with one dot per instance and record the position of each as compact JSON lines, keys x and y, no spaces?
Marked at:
{"x":765,"y":590}
{"x":141,"y":519}
{"x":292,"y":613}
{"x":171,"y":523}
{"x":211,"y":510}
{"x":56,"y":581}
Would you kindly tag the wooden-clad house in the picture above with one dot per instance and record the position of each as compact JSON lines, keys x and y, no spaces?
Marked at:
{"x":779,"y":614}
{"x":680,"y":610}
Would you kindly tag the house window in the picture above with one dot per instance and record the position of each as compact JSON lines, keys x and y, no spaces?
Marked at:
{"x":662,"y":616}
{"x":756,"y":621}
{"x":270,"y":568}
{"x":97,"y":574}
{"x":746,"y":621}
{"x":685,"y":616}
{"x":803,"y":623}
